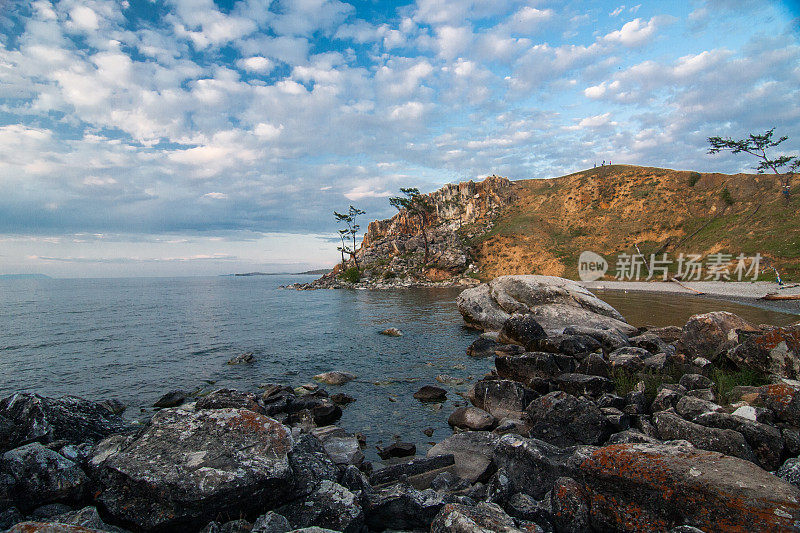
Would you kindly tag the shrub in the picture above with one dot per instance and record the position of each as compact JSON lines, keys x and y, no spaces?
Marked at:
{"x":726,"y":196}
{"x":352,"y":274}
{"x":694,"y":177}
{"x":726,"y":380}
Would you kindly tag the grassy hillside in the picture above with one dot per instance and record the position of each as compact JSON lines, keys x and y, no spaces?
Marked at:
{"x":611,"y":209}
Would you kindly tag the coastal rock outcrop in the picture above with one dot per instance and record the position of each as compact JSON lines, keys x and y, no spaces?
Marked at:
{"x":555,"y":303}
{"x":187,"y":467}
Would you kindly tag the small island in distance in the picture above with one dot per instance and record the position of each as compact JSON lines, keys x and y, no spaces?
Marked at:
{"x":317,"y":272}
{"x":24,"y":276}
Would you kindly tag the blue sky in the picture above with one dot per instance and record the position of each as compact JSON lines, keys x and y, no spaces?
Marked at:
{"x":190,"y":137}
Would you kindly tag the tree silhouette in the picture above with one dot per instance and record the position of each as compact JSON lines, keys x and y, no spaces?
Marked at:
{"x":351,"y":230}
{"x":757,"y":146}
{"x":415,"y":205}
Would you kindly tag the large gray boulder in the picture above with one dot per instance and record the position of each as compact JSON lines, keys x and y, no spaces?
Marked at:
{"x":34,"y":418}
{"x":472,"y":453}
{"x":711,"y":334}
{"x":564,"y":420}
{"x":188,"y":467}
{"x":774,"y":351}
{"x":555,"y":303}
{"x":41,"y":476}
{"x":330,"y":506}
{"x":484,"y":517}
{"x":501,"y":397}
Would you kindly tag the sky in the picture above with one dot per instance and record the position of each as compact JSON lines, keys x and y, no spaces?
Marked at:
{"x":199,"y":137}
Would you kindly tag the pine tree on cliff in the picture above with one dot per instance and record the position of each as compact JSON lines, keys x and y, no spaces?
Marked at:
{"x":353,"y":227}
{"x":349,"y":219}
{"x":757,"y":145}
{"x":416,"y":205}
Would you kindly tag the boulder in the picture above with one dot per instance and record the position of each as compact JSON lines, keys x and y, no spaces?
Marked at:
{"x":650,"y":342}
{"x":87,"y":517}
{"x":472,"y":452}
{"x":472,"y":418}
{"x":628,"y":358}
{"x":610,"y":339}
{"x":429,"y":393}
{"x":310,"y":464}
{"x":187,"y":467}
{"x":271,"y":522}
{"x":689,"y":407}
{"x":329,"y":506}
{"x":570,"y":506}
{"x":765,"y":441}
{"x":401,"y":507}
{"x":414,"y":467}
{"x":523,"y":330}
{"x":784,"y":400}
{"x":564,"y":420}
{"x":501,"y":397}
{"x":654,"y":487}
{"x":229,"y":398}
{"x":573,"y":345}
{"x":594,"y":364}
{"x":695,"y":381}
{"x":342,"y":447}
{"x":555,"y":303}
{"x":672,"y":427}
{"x":171,"y":399}
{"x":39,"y":475}
{"x":711,"y":334}
{"x":242,"y":358}
{"x":790,"y":471}
{"x":774,"y":351}
{"x":665,"y":399}
{"x":34,"y":418}
{"x":397,"y":449}
{"x":335,"y":377}
{"x":482,"y":518}
{"x":584,"y":385}
{"x":482,"y":348}
{"x":533,"y":466}
{"x":528,"y":367}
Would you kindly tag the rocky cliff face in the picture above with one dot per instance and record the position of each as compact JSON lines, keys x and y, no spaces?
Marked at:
{"x":392,"y":252}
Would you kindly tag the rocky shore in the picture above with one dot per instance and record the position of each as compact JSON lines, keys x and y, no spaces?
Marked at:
{"x":586,"y":423}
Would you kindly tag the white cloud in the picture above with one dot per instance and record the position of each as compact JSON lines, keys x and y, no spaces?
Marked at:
{"x":637,"y":32}
{"x":617,"y":11}
{"x":256,"y":64}
{"x":216,"y":195}
{"x":84,"y":18}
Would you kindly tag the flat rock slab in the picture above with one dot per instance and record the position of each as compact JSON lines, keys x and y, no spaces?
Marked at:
{"x":187,"y":467}
{"x":654,"y":487}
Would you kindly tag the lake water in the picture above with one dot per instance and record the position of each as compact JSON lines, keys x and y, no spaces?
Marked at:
{"x":135,"y":339}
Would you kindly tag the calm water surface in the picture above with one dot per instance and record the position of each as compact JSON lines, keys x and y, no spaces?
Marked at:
{"x":134,"y":339}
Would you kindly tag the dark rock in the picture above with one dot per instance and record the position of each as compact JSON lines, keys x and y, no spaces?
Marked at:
{"x":471,"y":418}
{"x":790,"y":471}
{"x":397,"y":449}
{"x":482,"y":348}
{"x":578,"y":344}
{"x":342,"y":399}
{"x":650,"y":342}
{"x":484,"y":517}
{"x":570,"y":506}
{"x":326,"y":413}
{"x":236,"y":526}
{"x":512,"y":425}
{"x":584,"y":385}
{"x":429,"y":393}
{"x":729,"y":442}
{"x":501,"y":397}
{"x":171,"y":399}
{"x":702,"y":394}
{"x":665,"y":399}
{"x":401,"y":507}
{"x":656,"y":363}
{"x":783,"y":400}
{"x":561,"y":419}
{"x":636,"y":403}
{"x":766,"y":441}
{"x":271,"y":522}
{"x":611,"y":400}
{"x":310,"y":464}
{"x":791,"y":436}
{"x":42,"y":476}
{"x":610,"y":339}
{"x":689,"y":407}
{"x":30,"y":417}
{"x":114,"y":406}
{"x":472,"y":452}
{"x":773,"y":351}
{"x":652,"y":487}
{"x":631,"y":436}
{"x":524,"y":507}
{"x":229,"y":398}
{"x":187,"y":467}
{"x":533,"y":466}
{"x":528,"y":367}
{"x":594,"y":365}
{"x":711,"y":334}
{"x":448,"y":482}
{"x":628,"y":358}
{"x":695,"y":381}
{"x":330,"y":506}
{"x":9,"y":517}
{"x":87,"y":517}
{"x":47,"y":511}
{"x":619,"y":421}
{"x":417,"y":466}
{"x":342,"y":447}
{"x":242,"y":358}
{"x":509,"y":349}
{"x":523,"y":330}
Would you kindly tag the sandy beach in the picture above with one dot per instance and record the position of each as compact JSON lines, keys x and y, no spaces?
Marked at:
{"x":750,"y":293}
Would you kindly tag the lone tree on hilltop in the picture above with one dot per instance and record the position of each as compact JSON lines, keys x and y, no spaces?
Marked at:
{"x":757,"y":146}
{"x":351,"y":230}
{"x":416,"y":205}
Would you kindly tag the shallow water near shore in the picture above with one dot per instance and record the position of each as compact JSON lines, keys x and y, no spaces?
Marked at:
{"x":135,"y":339}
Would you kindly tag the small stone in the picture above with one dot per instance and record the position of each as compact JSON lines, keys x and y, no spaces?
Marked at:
{"x":429,"y":393}
{"x":171,"y":399}
{"x":397,"y":449}
{"x":242,"y":358}
{"x":342,"y":399}
{"x":335,"y":377}
{"x":392,"y":332}
{"x":471,"y":418}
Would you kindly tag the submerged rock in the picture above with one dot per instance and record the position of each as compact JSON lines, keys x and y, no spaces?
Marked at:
{"x":335,"y":377}
{"x":392,"y":332}
{"x":242,"y":358}
{"x":187,"y":467}
{"x":171,"y":399}
{"x":429,"y":393}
